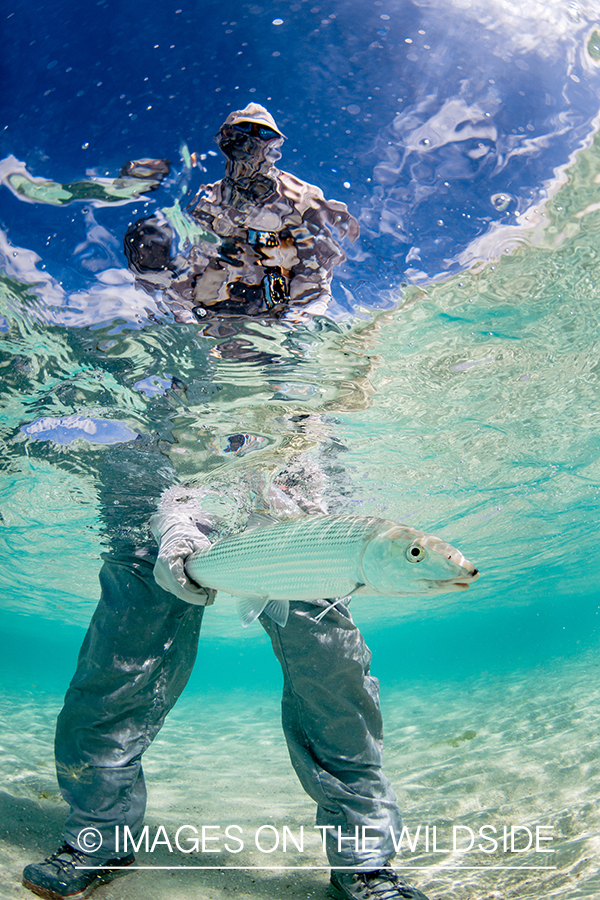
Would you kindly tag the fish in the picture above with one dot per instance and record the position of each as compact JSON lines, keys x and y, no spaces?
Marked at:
{"x":327,"y":557}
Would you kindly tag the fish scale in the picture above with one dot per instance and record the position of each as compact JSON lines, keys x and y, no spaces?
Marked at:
{"x":327,"y":557}
{"x":317,"y":555}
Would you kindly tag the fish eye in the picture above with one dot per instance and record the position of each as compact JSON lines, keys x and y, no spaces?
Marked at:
{"x":415,"y":554}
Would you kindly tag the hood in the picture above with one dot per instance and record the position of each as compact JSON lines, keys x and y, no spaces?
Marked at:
{"x":251,"y":153}
{"x":254,"y":112}
{"x":250,"y":174}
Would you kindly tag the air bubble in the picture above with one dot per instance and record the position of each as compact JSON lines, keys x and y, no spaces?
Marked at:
{"x":501,"y":201}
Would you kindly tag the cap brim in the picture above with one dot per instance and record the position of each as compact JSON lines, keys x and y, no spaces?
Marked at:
{"x":239,"y":119}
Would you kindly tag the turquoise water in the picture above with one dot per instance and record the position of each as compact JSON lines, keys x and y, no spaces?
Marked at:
{"x":469,"y":411}
{"x":457,"y":391}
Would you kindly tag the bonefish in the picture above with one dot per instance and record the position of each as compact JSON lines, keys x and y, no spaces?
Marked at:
{"x":327,"y":557}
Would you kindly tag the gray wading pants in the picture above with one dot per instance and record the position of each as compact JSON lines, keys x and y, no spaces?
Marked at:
{"x":135,"y":661}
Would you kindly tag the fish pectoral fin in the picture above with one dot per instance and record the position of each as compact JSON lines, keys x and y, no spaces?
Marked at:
{"x":359,"y":589}
{"x":278,"y":610}
{"x":250,"y":608}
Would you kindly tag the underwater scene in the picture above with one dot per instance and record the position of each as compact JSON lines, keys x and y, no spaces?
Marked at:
{"x":450,"y":382}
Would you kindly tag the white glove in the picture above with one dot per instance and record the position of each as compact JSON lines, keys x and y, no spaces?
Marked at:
{"x":178,"y":537}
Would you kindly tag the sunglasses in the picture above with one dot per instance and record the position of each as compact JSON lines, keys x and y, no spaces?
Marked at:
{"x":256,"y":130}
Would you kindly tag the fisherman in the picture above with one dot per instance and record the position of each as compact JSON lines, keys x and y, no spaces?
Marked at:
{"x":259,"y":242}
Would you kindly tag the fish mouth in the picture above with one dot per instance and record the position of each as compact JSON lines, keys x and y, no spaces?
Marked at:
{"x":461,"y":583}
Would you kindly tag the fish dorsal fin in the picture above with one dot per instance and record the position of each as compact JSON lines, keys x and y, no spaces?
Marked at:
{"x":250,"y":608}
{"x":258,"y":519}
{"x":278,"y":610}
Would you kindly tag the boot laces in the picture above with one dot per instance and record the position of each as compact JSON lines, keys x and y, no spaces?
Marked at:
{"x":383,"y":884}
{"x":73,"y":857}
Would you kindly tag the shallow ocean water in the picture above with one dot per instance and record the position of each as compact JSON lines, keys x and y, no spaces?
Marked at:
{"x":489,"y":751}
{"x":460,"y":386}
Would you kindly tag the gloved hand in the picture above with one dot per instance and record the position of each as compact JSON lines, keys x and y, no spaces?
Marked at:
{"x":147,"y":245}
{"x":146,"y":169}
{"x":178,"y":537}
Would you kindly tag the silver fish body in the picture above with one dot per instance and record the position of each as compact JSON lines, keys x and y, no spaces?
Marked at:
{"x":320,"y":557}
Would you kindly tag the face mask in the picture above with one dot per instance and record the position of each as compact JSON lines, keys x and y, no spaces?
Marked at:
{"x":245,"y":144}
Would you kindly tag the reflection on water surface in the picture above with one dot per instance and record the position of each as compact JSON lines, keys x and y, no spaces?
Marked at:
{"x":463,"y":136}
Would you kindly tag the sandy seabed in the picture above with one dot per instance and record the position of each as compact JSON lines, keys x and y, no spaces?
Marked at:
{"x":519,"y":749}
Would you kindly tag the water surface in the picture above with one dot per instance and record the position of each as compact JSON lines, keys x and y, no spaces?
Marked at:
{"x":455,"y":388}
